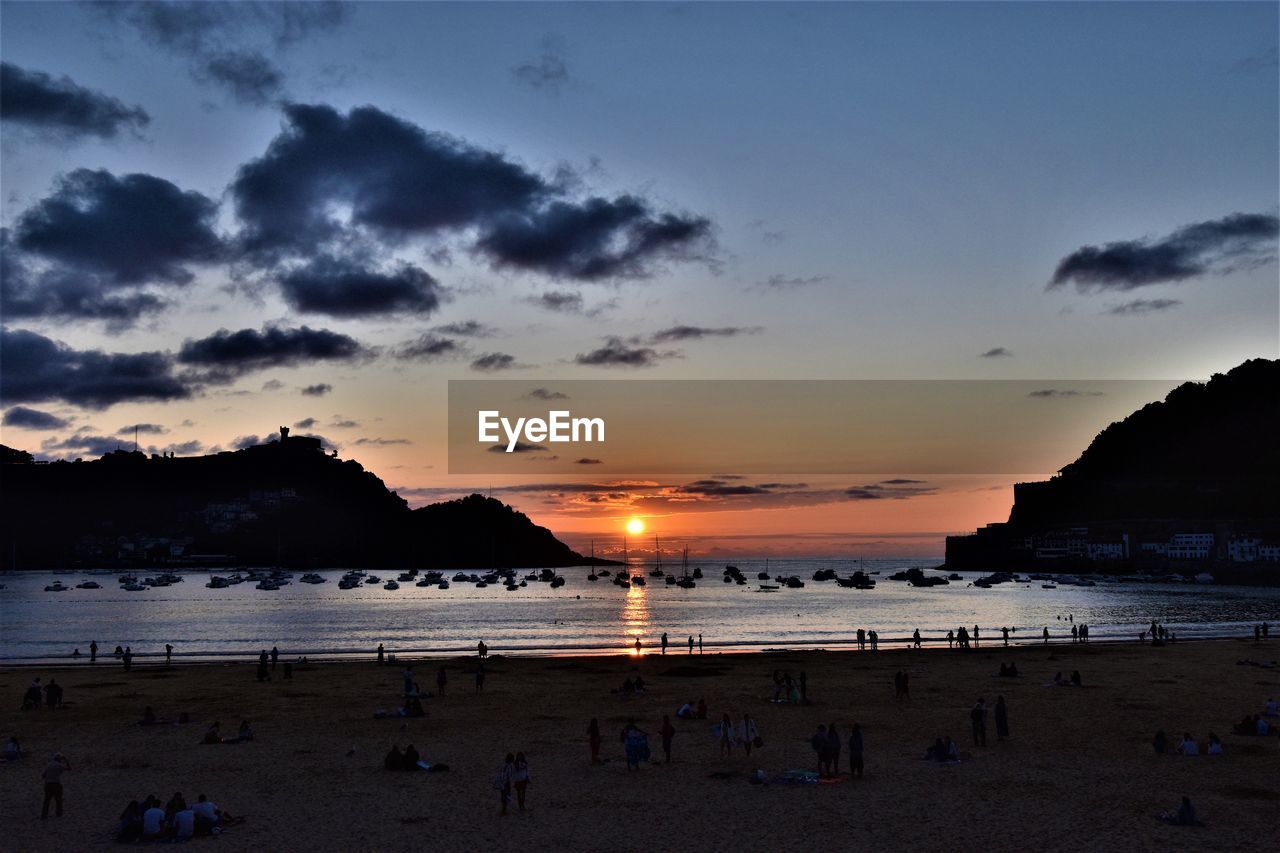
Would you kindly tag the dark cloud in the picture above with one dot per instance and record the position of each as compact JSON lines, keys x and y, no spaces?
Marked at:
{"x":902,"y":481}
{"x":383,"y":442}
{"x":996,"y":352}
{"x":183,"y":448}
{"x":778,"y":281}
{"x":587,"y":460}
{"x":494,"y":361}
{"x":226,"y":44}
{"x":38,"y":369}
{"x":82,"y":444}
{"x":719,"y":488}
{"x":225,"y":355}
{"x":467,"y":329}
{"x":248,"y":75}
{"x":1143,"y":306}
{"x":306,"y":423}
{"x":317,"y":390}
{"x":518,"y":447}
{"x":595,"y":239}
{"x":427,"y":347}
{"x":142,"y":429}
{"x":65,"y":295}
{"x":345,"y":424}
{"x":124,"y":230}
{"x":618,"y":353}
{"x":694,"y":333}
{"x":399,"y":182}
{"x":545,"y":394}
{"x":1219,"y":246}
{"x":61,"y":108}
{"x":1049,"y":393}
{"x":243,"y":441}
{"x":272,"y":385}
{"x":24,"y":418}
{"x":563,"y":301}
{"x":341,"y":287}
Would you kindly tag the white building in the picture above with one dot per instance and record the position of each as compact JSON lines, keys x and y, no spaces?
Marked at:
{"x":1243,"y":549}
{"x":1191,"y":546}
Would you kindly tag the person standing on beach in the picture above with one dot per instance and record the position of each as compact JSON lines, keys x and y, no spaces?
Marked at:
{"x":480,"y":678}
{"x":275,"y":657}
{"x":691,"y":644}
{"x":975,"y":636}
{"x":382,"y":653}
{"x":699,"y":644}
{"x":52,"y":776}
{"x":862,"y":640}
{"x":1005,"y":632}
{"x":726,"y":736}
{"x":951,"y":639}
{"x":441,"y":680}
{"x":1046,"y":633}
{"x":978,"y":717}
{"x":482,"y":650}
{"x":128,"y":658}
{"x":1075,"y":634}
{"x":833,"y":747}
{"x":915,"y":638}
{"x":503,"y":781}
{"x":747,"y":734}
{"x":593,"y":739}
{"x":1002,"y":719}
{"x":638,"y":646}
{"x":664,"y":642}
{"x":168,"y":654}
{"x":93,"y":651}
{"x":855,"y":752}
{"x":820,"y":745}
{"x":668,"y":732}
{"x":875,"y":641}
{"x":520,"y":778}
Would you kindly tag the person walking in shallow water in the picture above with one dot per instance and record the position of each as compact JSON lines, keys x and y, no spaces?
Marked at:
{"x":664,"y":642}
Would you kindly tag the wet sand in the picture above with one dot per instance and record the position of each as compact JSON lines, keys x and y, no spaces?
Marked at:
{"x":1078,"y":770}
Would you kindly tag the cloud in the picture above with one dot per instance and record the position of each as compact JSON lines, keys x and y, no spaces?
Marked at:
{"x":996,"y":352}
{"x":243,"y":441}
{"x":558,"y":300}
{"x":495,"y":361}
{"x":306,"y":423}
{"x":618,"y":353}
{"x":587,"y":460}
{"x":226,"y":355}
{"x":695,"y":333}
{"x":226,"y":44}
{"x":272,"y":385}
{"x":1263,"y":61}
{"x":396,"y":182}
{"x":248,"y":75}
{"x":183,"y":448}
{"x":518,"y":447}
{"x":545,"y":394}
{"x":83,"y":444}
{"x":341,"y":287}
{"x":548,"y":71}
{"x":317,"y":390}
{"x":899,"y":489}
{"x":1143,"y":306}
{"x":23,"y":418}
{"x":427,"y":347}
{"x":142,"y":429}
{"x":778,"y":281}
{"x":38,"y":369}
{"x":125,"y":230}
{"x":344,"y":424}
{"x":902,"y":481}
{"x":62,"y":109}
{"x":467,"y":329}
{"x":1048,"y":393}
{"x":383,"y":442}
{"x":65,"y":295}
{"x":1217,"y":246}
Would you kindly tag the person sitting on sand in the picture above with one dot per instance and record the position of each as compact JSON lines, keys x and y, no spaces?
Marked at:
{"x":208,"y":816}
{"x":1215,"y":744}
{"x":1004,"y":670}
{"x":1188,"y":745}
{"x":628,"y":687}
{"x":411,"y":758}
{"x":1059,"y":680}
{"x":130,"y":829}
{"x":176,"y":804}
{"x":394,"y":759}
{"x":245,"y":732}
{"x":1160,"y":742}
{"x":183,"y":824}
{"x":1013,"y":670}
{"x":213,"y":734}
{"x":953,"y":749}
{"x":52,"y":694}
{"x":12,"y":751}
{"x":148,"y":716}
{"x":1270,"y":709}
{"x":153,"y":820}
{"x":639,"y":684}
{"x":937,"y":751}
{"x":635,"y":745}
{"x":1261,"y":727}
{"x":1184,"y":816}
{"x":31,"y":699}
{"x":1075,"y":678}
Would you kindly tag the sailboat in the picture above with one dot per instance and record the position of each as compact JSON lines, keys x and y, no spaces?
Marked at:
{"x":593,"y":576}
{"x":657,"y":560}
{"x":685,"y":581}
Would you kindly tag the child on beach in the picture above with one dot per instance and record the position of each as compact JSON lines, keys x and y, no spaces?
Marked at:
{"x":502,"y":782}
{"x":520,"y":778}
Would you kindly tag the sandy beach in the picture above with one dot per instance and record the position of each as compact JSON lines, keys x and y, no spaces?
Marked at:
{"x":1078,"y":769}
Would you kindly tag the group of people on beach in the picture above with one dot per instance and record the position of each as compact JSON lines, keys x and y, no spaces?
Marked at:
{"x":176,"y":820}
{"x":50,"y":694}
{"x":513,"y":776}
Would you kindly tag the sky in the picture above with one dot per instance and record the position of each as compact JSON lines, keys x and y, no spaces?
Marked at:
{"x":223,"y":218}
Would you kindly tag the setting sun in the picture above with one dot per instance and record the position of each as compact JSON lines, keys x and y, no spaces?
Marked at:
{"x":635,"y":526}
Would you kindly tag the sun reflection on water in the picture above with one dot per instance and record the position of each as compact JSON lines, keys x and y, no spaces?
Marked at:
{"x":635,"y":615}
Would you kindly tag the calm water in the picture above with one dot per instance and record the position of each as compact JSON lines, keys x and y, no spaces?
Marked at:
{"x":588,"y":617}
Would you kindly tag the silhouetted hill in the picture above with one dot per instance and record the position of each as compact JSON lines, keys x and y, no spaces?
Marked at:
{"x":284,"y":503}
{"x":1204,"y":460}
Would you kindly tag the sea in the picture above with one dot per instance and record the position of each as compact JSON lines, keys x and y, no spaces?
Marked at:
{"x":321,"y":621}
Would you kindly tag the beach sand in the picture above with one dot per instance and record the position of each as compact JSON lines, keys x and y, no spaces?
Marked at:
{"x":1077,"y":773}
